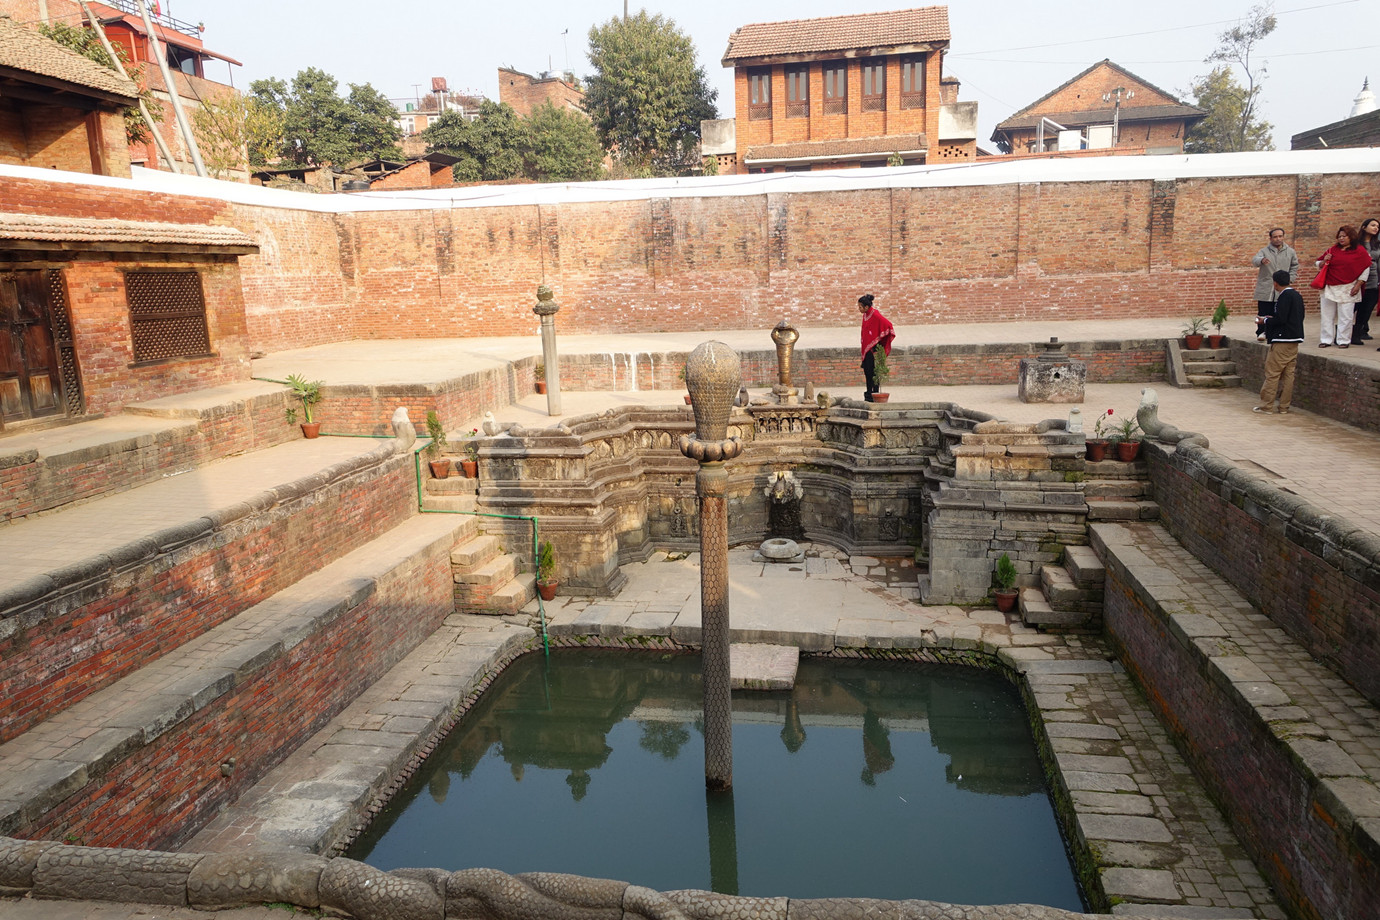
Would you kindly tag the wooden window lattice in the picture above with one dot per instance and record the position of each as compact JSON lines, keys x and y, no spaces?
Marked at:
{"x":167,"y":315}
{"x":66,"y":347}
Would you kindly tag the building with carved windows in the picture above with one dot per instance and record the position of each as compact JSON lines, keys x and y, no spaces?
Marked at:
{"x":843,"y":91}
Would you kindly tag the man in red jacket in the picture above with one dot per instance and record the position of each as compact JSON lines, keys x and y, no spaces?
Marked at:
{"x":876,"y":331}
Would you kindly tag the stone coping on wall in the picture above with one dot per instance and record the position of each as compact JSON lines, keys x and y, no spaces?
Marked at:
{"x":1302,"y":717}
{"x":1136,"y":826}
{"x":42,"y":768}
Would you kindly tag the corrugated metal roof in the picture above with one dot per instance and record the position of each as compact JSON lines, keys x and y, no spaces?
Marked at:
{"x":24,"y":49}
{"x":839,"y":33}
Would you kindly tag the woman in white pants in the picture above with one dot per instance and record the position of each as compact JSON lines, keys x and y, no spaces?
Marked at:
{"x":1347,"y":266}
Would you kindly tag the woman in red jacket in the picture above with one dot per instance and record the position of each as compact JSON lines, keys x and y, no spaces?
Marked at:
{"x":1347,"y":266}
{"x":876,"y":331}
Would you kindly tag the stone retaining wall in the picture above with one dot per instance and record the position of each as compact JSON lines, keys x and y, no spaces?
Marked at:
{"x":1348,"y":391}
{"x":70,"y":633}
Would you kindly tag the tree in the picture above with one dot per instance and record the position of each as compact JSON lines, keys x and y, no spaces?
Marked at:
{"x":561,"y":147}
{"x":490,"y":148}
{"x":647,"y":95}
{"x":1227,"y":127}
{"x":319,"y":127}
{"x":1233,"y":123}
{"x":85,"y":42}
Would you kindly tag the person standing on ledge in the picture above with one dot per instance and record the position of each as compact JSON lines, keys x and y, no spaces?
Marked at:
{"x":1284,"y":332}
{"x":876,"y":330}
{"x":1274,"y":257}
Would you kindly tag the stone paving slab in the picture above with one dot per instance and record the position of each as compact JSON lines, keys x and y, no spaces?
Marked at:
{"x":756,"y":666}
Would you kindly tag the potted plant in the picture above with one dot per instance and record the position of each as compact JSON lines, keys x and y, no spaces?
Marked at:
{"x":1005,"y":575}
{"x":1219,"y":316}
{"x":440,"y":466}
{"x":1193,"y":333}
{"x":1096,"y":448}
{"x":546,"y":571}
{"x":881,"y":371}
{"x":680,"y":375}
{"x":471,"y":462}
{"x":1127,"y":440}
{"x":309,"y":393}
{"x":539,"y":374}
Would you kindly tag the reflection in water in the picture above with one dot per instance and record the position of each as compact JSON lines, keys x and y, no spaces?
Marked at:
{"x":892,"y":781}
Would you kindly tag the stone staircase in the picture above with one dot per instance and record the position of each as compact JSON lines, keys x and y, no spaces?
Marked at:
{"x":1069,"y":595}
{"x":1210,"y":367}
{"x":1117,"y":491}
{"x":489,"y":579}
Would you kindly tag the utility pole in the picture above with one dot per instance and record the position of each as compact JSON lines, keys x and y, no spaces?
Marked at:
{"x":1116,"y":111}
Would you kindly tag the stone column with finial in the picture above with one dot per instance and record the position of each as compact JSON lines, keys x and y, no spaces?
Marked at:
{"x":712,"y":374}
{"x":785,"y":336}
{"x":547,"y":308}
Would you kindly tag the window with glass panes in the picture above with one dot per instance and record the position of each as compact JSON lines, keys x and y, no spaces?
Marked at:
{"x":759,"y":93}
{"x":797,"y":92}
{"x":835,"y":88}
{"x":913,"y":82}
{"x":873,"y":85}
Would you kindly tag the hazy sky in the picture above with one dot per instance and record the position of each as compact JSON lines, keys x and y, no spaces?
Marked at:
{"x":1007,"y":53}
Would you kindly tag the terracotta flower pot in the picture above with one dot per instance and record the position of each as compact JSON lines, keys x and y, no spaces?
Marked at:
{"x":880,"y":397}
{"x":687,"y":399}
{"x":547,"y":589}
{"x":1126,"y":451}
{"x":471,"y":468}
{"x":311,"y":430}
{"x":1096,"y":450}
{"x":440,"y":469}
{"x":1006,"y":600}
{"x":1193,"y":342}
{"x":541,"y":387}
{"x":1215,"y":341}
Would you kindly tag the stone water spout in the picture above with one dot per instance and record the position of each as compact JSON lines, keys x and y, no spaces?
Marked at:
{"x":783,"y":492}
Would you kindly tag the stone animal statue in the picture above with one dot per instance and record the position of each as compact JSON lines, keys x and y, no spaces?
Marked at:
{"x":403,"y":429}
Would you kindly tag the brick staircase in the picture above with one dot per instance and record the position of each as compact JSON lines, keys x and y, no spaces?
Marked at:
{"x":165,"y":640}
{"x":1210,"y":367}
{"x":489,"y":579}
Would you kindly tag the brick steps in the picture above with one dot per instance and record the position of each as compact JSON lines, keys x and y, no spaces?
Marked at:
{"x":184,"y":735}
{"x":83,"y":604}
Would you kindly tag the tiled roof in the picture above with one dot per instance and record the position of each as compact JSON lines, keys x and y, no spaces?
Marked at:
{"x":92,"y":233}
{"x":24,"y":50}
{"x":1104,"y":116}
{"x":839,"y":149}
{"x":839,"y":33}
{"x":1017,"y":119}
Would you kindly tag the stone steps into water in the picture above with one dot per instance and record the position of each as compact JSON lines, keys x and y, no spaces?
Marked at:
{"x":147,"y":760}
{"x":757,"y":666}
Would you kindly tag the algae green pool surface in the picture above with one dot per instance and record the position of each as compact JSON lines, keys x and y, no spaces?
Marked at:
{"x":867,"y":780}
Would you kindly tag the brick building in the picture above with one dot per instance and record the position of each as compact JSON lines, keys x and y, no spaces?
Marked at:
{"x":58,"y":109}
{"x":1107,"y":108}
{"x":525,"y":93}
{"x":181,"y":43}
{"x":844,"y":91}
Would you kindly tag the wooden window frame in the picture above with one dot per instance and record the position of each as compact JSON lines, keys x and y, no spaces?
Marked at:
{"x":148,"y":318}
{"x":836,"y":88}
{"x":759,"y":103}
{"x":874,"y":85}
{"x":798,"y":92}
{"x":913,"y":71}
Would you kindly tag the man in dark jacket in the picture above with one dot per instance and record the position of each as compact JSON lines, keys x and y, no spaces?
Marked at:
{"x":1284,"y":332}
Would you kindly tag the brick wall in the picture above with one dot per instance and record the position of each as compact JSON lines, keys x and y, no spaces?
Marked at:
{"x":1344,"y":390}
{"x":84,"y":635}
{"x":168,"y":789}
{"x":1314,"y":575}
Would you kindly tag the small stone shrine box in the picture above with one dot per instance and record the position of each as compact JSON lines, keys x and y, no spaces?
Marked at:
{"x":1053,"y":377}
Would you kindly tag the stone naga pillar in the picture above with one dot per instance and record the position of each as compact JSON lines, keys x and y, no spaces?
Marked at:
{"x":712,"y":374}
{"x":547,"y":308}
{"x":785,"y":336}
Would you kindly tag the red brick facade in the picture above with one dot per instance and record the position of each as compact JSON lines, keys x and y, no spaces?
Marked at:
{"x":526,"y":93}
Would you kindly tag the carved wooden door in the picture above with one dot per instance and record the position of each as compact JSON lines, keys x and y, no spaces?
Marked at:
{"x":30,"y":382}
